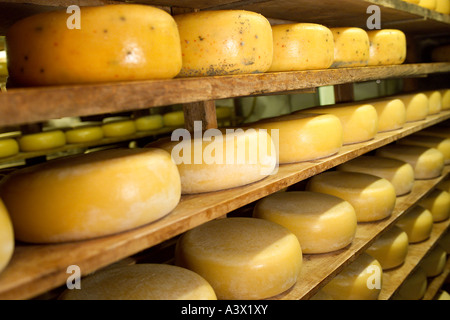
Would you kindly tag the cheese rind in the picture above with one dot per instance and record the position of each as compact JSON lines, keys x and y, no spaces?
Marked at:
{"x":7,"y":243}
{"x":416,"y":106}
{"x":441,"y":144}
{"x":173,"y":119}
{"x":391,"y":114}
{"x":150,"y":122}
{"x":242,"y":258}
{"x":84,"y":134}
{"x":445,"y":99}
{"x":321,"y":222}
{"x":351,"y":47}
{"x":417,"y":222}
{"x":8,"y":147}
{"x":42,"y":141}
{"x":119,"y":128}
{"x":413,"y":287}
{"x":434,"y":102}
{"x":438,"y":202}
{"x":443,"y":6}
{"x":387,"y":47}
{"x":434,"y":262}
{"x":428,"y":4}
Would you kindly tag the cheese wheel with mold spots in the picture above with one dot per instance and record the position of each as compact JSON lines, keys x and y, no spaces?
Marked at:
{"x":387,"y":47}
{"x":131,"y":42}
{"x":417,"y":222}
{"x":351,"y":47}
{"x":224,"y":42}
{"x":7,"y":243}
{"x":441,"y":144}
{"x":416,"y":105}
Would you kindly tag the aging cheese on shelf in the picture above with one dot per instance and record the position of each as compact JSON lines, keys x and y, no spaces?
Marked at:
{"x":119,"y":128}
{"x":391,"y":114}
{"x":434,"y":262}
{"x":221,"y":42}
{"x":391,"y":248}
{"x":399,"y":173}
{"x":428,"y":4}
{"x":91,"y":195}
{"x":302,"y":46}
{"x":417,"y":222}
{"x":416,"y":106}
{"x":441,"y":144}
{"x":227,"y":160}
{"x":42,"y":141}
{"x":445,"y":98}
{"x":304,"y":136}
{"x":321,"y":222}
{"x":434,"y":101}
{"x":413,"y":287}
{"x":84,"y":133}
{"x":150,"y":122}
{"x":173,"y":119}
{"x":131,"y":42}
{"x":242,"y":258}
{"x":8,"y":147}
{"x":373,"y":198}
{"x":387,"y":47}
{"x":142,"y":282}
{"x":438,"y":202}
{"x":443,"y":6}
{"x":6,"y":237}
{"x":427,"y":162}
{"x":351,"y":47}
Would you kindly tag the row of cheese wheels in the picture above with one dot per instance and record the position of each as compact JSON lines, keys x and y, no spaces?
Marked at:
{"x":136,"y":42}
{"x":441,"y":6}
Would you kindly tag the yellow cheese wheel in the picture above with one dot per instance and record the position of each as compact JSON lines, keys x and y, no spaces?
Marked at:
{"x":173,"y":119}
{"x":399,"y":173}
{"x":391,"y":248}
{"x":438,"y":202}
{"x":6,"y":237}
{"x":443,"y":295}
{"x":443,"y":6}
{"x":240,"y":157}
{"x":42,"y":141}
{"x":445,"y":98}
{"x":242,"y":258}
{"x":417,"y":222}
{"x":434,"y":101}
{"x":223,"y":113}
{"x":360,"y":280}
{"x":412,"y":1}
{"x":427,"y":162}
{"x":150,"y":122}
{"x":120,"y":128}
{"x":85,"y":133}
{"x":351,"y":47}
{"x":221,"y":42}
{"x":416,"y":106}
{"x":444,"y":242}
{"x":304,"y":136}
{"x":8,"y":147}
{"x":302,"y":46}
{"x":434,"y":262}
{"x":413,"y":287}
{"x":321,"y":222}
{"x":131,"y":42}
{"x":441,"y":53}
{"x":91,"y":195}
{"x":387,"y":47}
{"x":428,"y":4}
{"x":142,"y":282}
{"x":373,"y":198}
{"x":391,"y":114}
{"x":441,"y":144}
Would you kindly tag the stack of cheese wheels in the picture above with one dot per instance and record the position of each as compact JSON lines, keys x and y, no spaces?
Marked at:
{"x":304,"y":136}
{"x":132,"y":42}
{"x":91,"y":195}
{"x":242,"y":258}
{"x":439,"y":143}
{"x":173,"y":119}
{"x":391,"y":248}
{"x":434,"y":101}
{"x":6,"y":237}
{"x":416,"y":105}
{"x":359,"y":121}
{"x":438,"y":202}
{"x":118,"y":127}
{"x":387,"y":47}
{"x":302,"y":46}
{"x":434,"y":262}
{"x":373,"y":198}
{"x":142,"y":282}
{"x":391,"y":113}
{"x":149,"y":122}
{"x":428,"y":163}
{"x":443,"y":6}
{"x":417,"y":222}
{"x":441,"y":53}
{"x":8,"y":147}
{"x":428,"y":4}
{"x":351,"y":47}
{"x":360,"y":280}
{"x":445,"y":98}
{"x":84,"y":132}
{"x":240,"y":157}
{"x":221,"y":42}
{"x":413,"y":287}
{"x":399,"y":173}
{"x":321,"y":222}
{"x":41,"y":141}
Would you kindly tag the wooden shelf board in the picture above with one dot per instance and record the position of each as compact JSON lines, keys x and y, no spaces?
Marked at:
{"x":435,"y":283}
{"x":35,"y":269}
{"x":40,"y":104}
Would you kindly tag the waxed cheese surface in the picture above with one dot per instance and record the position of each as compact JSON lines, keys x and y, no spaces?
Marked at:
{"x":391,"y":114}
{"x":387,"y":47}
{"x":42,"y":141}
{"x":351,"y":47}
{"x":416,"y":106}
{"x":417,"y":222}
{"x":7,"y":241}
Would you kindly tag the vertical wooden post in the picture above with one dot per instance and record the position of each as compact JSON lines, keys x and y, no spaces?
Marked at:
{"x":204,"y":111}
{"x":344,"y":93}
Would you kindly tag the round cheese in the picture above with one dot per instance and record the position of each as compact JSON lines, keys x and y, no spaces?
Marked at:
{"x":416,"y":106}
{"x":428,"y":163}
{"x":304,"y":136}
{"x":242,"y":258}
{"x":391,"y":248}
{"x":302,"y":46}
{"x":351,"y":47}
{"x":173,"y":119}
{"x":399,"y":173}
{"x":360,"y":280}
{"x":84,"y":134}
{"x":434,"y":262}
{"x":221,"y":42}
{"x":8,"y":147}
{"x":91,"y":195}
{"x":446,"y":97}
{"x":142,"y":282}
{"x":438,"y":202}
{"x":373,"y":198}
{"x":120,"y":128}
{"x":391,"y":114}
{"x":413,"y":287}
{"x":150,"y":122}
{"x":417,"y":222}
{"x":434,"y":102}
{"x":387,"y":47}
{"x":428,"y":4}
{"x":42,"y":141}
{"x":444,"y":242}
{"x":443,"y":6}
{"x":443,"y":295}
{"x":223,"y":113}
{"x":238,"y":157}
{"x":441,"y":144}
{"x":321,"y":222}
{"x":6,"y":237}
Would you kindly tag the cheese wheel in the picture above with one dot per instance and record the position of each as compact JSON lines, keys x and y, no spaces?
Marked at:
{"x":8,"y":147}
{"x":416,"y":106}
{"x":434,"y":102}
{"x":222,"y":42}
{"x":42,"y":141}
{"x":391,"y":248}
{"x":387,"y":47}
{"x":91,"y":195}
{"x":360,"y":280}
{"x":444,"y":242}
{"x":84,"y":134}
{"x":223,"y":113}
{"x":6,"y":237}
{"x":428,"y":4}
{"x":173,"y":119}
{"x":428,"y":163}
{"x":443,"y":6}
{"x":391,"y":114}
{"x":441,"y":53}
{"x":142,"y":282}
{"x":304,"y":136}
{"x":113,"y":129}
{"x":438,"y":202}
{"x":351,"y":47}
{"x":443,"y":295}
{"x":445,"y":98}
{"x":434,"y":262}
{"x":441,"y":144}
{"x":413,"y":287}
{"x":399,"y":173}
{"x":239,"y":157}
{"x":242,"y":258}
{"x":373,"y":198}
{"x":321,"y":222}
{"x":417,"y":222}
{"x":150,"y":122}
{"x":302,"y":46}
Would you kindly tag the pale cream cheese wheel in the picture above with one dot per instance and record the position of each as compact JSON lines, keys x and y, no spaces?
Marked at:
{"x":434,"y":101}
{"x":438,"y":202}
{"x":416,"y":105}
{"x":7,"y":243}
{"x":434,"y":262}
{"x":391,"y":114}
{"x":413,"y":287}
{"x":417,"y":222}
{"x":439,"y":143}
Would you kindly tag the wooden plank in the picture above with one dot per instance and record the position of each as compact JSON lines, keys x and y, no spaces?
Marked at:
{"x":204,"y":111}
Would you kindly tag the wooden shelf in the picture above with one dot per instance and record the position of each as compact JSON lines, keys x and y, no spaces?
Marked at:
{"x":435,"y":283}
